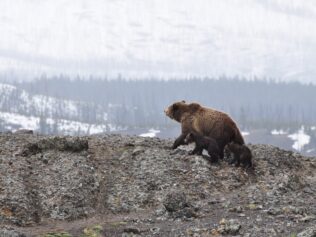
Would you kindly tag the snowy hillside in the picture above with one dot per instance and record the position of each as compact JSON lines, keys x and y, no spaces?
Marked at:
{"x":13,"y":122}
{"x":159,"y":38}
{"x":16,"y":100}
{"x":21,"y":110}
{"x":114,"y":106}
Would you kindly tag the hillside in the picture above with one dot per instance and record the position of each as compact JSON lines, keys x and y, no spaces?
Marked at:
{"x":280,"y":114}
{"x":133,"y":186}
{"x":159,"y":38}
{"x":20,"y":109}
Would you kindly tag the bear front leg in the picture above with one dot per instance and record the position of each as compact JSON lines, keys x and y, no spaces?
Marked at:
{"x":221,"y":154}
{"x":234,"y":160}
{"x":213,"y":152}
{"x":214,"y":157}
{"x":197,"y":150}
{"x":245,"y":161}
{"x":179,"y":141}
{"x":237,"y":159}
{"x":238,"y":163}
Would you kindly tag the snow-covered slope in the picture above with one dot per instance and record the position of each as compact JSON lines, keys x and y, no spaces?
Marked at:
{"x":21,"y":110}
{"x":273,"y":38}
{"x":13,"y":121}
{"x":16,"y":100}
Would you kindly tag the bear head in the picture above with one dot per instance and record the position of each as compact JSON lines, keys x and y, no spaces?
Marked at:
{"x":176,"y":110}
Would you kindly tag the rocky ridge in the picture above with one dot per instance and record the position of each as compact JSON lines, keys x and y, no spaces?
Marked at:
{"x":113,"y":185}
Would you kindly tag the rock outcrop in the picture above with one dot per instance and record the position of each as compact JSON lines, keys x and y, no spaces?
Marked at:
{"x":114,"y":185}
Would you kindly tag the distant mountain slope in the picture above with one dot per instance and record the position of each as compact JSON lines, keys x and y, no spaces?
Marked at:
{"x":281,"y":114}
{"x":15,"y":100}
{"x":45,"y":114}
{"x":159,"y":38}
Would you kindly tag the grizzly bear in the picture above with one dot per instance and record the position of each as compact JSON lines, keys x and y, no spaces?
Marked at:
{"x":203,"y":121}
{"x":242,"y":154}
{"x":201,"y":143}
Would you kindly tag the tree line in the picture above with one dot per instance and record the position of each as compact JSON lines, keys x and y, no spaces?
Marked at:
{"x":140,"y":103}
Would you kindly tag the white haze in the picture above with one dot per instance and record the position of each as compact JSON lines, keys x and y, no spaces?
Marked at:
{"x":161,"y":38}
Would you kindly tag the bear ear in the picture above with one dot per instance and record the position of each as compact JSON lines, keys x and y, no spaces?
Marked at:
{"x":183,"y":101}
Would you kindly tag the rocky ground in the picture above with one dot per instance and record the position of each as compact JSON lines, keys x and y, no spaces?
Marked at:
{"x":114,"y":185}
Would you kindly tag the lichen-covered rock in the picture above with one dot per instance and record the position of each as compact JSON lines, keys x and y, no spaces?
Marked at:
{"x":57,"y":234}
{"x":308,"y":232}
{"x":229,"y":227}
{"x":175,"y":201}
{"x":9,"y":232}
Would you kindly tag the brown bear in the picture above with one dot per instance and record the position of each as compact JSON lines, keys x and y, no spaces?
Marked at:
{"x":203,"y":121}
{"x":202,"y":142}
{"x":242,"y":154}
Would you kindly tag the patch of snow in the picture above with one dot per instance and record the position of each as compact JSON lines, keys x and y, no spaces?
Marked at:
{"x":310,"y":150}
{"x":105,"y":116}
{"x":245,"y":133}
{"x":114,"y":128}
{"x":94,"y":129}
{"x":6,"y":90}
{"x":313,"y":128}
{"x":278,"y":132}
{"x":42,"y":103}
{"x":110,"y":105}
{"x":38,"y":104}
{"x":152,"y":133}
{"x":20,"y":120}
{"x":68,"y":127}
{"x":6,"y":87}
{"x":300,"y":139}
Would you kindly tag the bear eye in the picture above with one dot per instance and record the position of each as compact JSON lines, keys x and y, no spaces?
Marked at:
{"x":175,"y":107}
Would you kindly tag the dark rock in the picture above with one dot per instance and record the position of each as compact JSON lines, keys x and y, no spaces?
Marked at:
{"x":55,"y":143}
{"x":178,"y":206}
{"x":274,"y":211}
{"x":30,"y":149}
{"x":64,"y":144}
{"x":186,"y":212}
{"x":24,"y":131}
{"x":132,"y":230}
{"x":175,"y":201}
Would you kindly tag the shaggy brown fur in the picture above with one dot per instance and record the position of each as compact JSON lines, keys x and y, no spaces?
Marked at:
{"x":242,"y":154}
{"x":202,"y":142}
{"x":205,"y":122}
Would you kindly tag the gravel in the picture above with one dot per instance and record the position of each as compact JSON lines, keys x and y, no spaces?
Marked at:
{"x":136,"y":186}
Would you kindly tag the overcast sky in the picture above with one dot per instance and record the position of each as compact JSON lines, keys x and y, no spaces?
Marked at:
{"x":161,"y":38}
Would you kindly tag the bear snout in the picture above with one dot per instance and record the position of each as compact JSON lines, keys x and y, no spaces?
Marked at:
{"x":168,"y":113}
